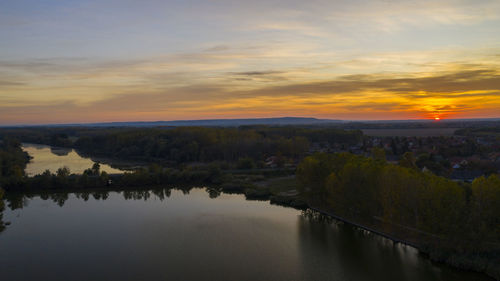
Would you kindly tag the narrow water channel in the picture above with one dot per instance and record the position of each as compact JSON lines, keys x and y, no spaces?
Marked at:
{"x":52,"y":158}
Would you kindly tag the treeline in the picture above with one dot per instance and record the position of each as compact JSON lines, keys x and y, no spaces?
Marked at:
{"x":13,"y":160}
{"x":54,"y":136}
{"x":94,"y":178}
{"x":154,"y":176}
{"x":458,"y":223}
{"x":202,"y":144}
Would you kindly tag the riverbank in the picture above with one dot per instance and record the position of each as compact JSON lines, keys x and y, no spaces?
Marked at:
{"x":284,"y":191}
{"x":459,"y":261}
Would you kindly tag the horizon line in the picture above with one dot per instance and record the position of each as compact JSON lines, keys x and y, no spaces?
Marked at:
{"x":325,"y":120}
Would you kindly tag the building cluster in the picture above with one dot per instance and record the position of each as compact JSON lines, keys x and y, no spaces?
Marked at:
{"x":461,"y":158}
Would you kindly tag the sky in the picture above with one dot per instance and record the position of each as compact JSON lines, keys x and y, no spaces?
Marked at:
{"x":143,"y":60}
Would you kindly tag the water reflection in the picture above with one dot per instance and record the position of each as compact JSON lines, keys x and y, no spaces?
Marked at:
{"x":182,"y":234}
{"x":355,"y":254}
{"x":20,"y":200}
{"x":52,"y":158}
{"x":2,"y":227}
{"x":60,"y":151}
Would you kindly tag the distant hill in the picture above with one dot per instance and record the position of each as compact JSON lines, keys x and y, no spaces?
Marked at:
{"x":283,"y":121}
{"x":211,"y":122}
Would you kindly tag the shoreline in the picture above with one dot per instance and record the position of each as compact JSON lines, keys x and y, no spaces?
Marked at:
{"x":369,"y":229}
{"x":404,"y":242}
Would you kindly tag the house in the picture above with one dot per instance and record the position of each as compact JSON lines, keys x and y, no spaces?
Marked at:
{"x":272,"y":162}
{"x":465,"y":175}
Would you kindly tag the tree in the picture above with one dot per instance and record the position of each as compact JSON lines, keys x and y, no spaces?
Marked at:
{"x":62,"y":175}
{"x":1,"y":209}
{"x":63,"y":172}
{"x":96,"y":169}
{"x":486,"y":207}
{"x":245,"y":163}
{"x":104,"y":178}
{"x":378,"y":154}
{"x":408,"y":160}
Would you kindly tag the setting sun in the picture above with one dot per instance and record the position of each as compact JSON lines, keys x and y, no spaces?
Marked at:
{"x":437,"y":118}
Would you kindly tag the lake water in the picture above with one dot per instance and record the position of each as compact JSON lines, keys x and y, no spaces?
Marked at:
{"x":176,"y":235}
{"x":52,"y":158}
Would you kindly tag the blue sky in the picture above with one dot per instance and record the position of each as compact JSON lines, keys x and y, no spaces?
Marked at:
{"x":87,"y":61}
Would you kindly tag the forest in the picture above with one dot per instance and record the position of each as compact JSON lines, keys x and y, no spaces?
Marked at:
{"x":454,"y":222}
{"x":167,"y":145}
{"x":199,"y":144}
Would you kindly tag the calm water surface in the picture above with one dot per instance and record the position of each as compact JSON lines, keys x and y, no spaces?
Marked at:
{"x":52,"y":158}
{"x":158,"y":235}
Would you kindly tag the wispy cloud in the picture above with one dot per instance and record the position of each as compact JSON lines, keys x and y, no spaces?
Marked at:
{"x":463,"y":92}
{"x":76,"y":61}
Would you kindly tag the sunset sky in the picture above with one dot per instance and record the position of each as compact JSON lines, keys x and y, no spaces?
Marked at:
{"x":124,"y":60}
